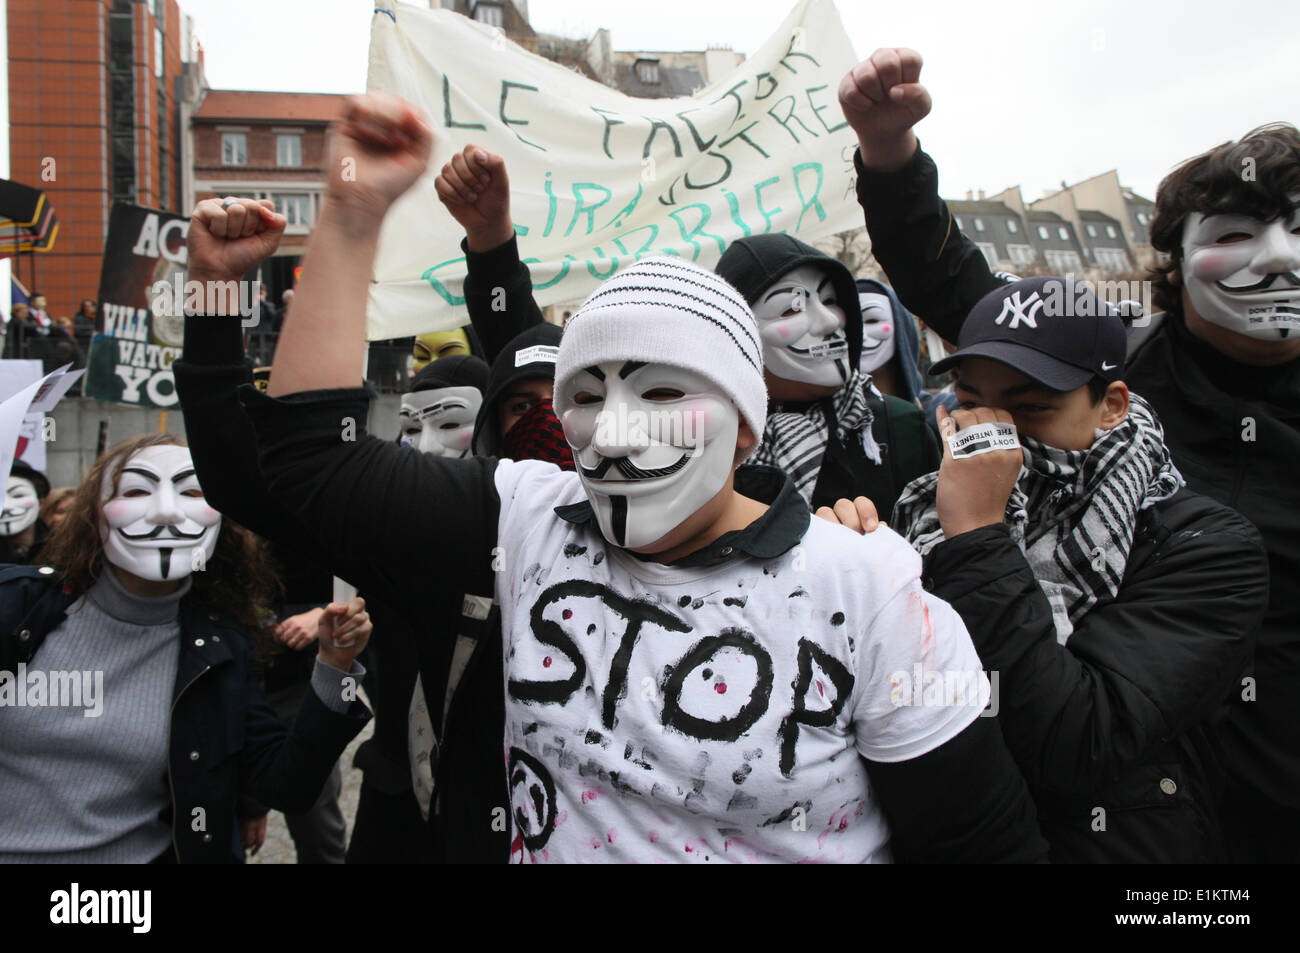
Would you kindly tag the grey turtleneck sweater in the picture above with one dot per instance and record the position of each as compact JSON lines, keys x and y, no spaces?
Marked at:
{"x":88,"y":783}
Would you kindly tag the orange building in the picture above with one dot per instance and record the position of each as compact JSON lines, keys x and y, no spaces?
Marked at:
{"x":95,"y":90}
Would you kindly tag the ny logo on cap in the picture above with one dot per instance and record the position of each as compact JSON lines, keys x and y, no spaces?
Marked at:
{"x":1014,"y":308}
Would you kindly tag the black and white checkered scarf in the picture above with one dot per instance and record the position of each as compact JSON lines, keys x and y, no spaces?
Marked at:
{"x":796,"y":441}
{"x":1073,"y":512}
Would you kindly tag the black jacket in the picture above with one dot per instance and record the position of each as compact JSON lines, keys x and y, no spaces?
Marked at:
{"x":1233,"y":430}
{"x":224,"y":740}
{"x":1112,"y":729}
{"x":413,"y":635}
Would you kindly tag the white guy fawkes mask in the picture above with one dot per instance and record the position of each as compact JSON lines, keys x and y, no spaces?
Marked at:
{"x":877,"y":331}
{"x":1243,"y":274}
{"x":802,"y":329}
{"x":158,"y":520}
{"x":652,"y":445}
{"x":440,"y":421}
{"x":21,"y":507}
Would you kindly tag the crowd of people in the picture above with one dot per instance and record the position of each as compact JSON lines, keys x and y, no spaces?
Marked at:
{"x":706,"y":575}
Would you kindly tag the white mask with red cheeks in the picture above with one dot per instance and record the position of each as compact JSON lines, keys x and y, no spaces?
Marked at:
{"x":157,"y":520}
{"x":440,"y":421}
{"x":802,"y":329}
{"x":1243,"y":273}
{"x":652,"y":444}
{"x":22,"y":505}
{"x":877,"y":331}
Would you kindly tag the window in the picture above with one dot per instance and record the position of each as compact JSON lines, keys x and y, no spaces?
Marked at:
{"x":990,"y":253}
{"x":1021,"y":254}
{"x":157,"y":53}
{"x":957,"y":221}
{"x":1091,"y":230}
{"x":1063,"y":262}
{"x":979,"y":224}
{"x":647,"y":71}
{"x":288,"y":149}
{"x":295,"y":208}
{"x":1064,"y":233}
{"x":1110,"y":232}
{"x":489,"y":13}
{"x":234,"y":148}
{"x":1142,"y":218}
{"x":1012,"y":227}
{"x":1112,"y":259}
{"x":1042,"y":232}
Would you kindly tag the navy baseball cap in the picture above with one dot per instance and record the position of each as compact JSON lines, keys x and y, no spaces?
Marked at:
{"x":1055,"y":330}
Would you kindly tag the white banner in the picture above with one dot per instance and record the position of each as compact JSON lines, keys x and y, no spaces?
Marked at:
{"x":599,"y":179}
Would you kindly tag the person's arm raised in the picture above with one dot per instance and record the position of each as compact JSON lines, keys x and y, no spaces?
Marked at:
{"x":377,"y":151}
{"x":475,"y":190}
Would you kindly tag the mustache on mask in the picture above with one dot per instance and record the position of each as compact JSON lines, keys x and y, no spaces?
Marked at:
{"x":1287,"y":276}
{"x":630,"y":470}
{"x":157,"y":531}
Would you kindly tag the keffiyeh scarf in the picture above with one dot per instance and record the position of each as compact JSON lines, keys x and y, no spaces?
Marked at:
{"x":1073,"y":512}
{"x":796,"y":441}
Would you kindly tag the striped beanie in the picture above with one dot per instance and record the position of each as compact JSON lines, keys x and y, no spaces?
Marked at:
{"x":665,"y":310}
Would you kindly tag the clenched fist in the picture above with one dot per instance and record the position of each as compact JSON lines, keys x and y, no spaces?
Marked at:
{"x":476,"y":191}
{"x":882,"y":98}
{"x":377,"y":151}
{"x":973,"y":491}
{"x":230,"y":237}
{"x":342,"y":632}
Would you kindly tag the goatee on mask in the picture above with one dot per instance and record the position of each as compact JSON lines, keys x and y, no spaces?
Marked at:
{"x":538,"y":435}
{"x":22,"y":505}
{"x":440,"y":421}
{"x":653,"y":444}
{"x":1243,"y":274}
{"x":157,"y":525}
{"x":878,"y":332}
{"x":802,"y":329}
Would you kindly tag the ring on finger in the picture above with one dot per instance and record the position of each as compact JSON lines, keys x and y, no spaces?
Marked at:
{"x":229,"y":202}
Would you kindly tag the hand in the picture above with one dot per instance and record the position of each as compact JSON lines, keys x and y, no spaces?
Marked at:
{"x":858,"y":515}
{"x":299,"y":631}
{"x":974,"y":491}
{"x":226,"y":243}
{"x":377,"y":151}
{"x":882,"y":98}
{"x":252,"y":834}
{"x":343,"y":631}
{"x":476,"y":191}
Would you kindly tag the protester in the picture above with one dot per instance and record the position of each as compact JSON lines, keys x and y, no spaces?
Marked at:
{"x":22,"y":530}
{"x":826,"y":427}
{"x":737,"y":763}
{"x":398,"y":820}
{"x":436,"y":345}
{"x":1221,"y":368}
{"x":438,"y":413}
{"x":1118,"y":607}
{"x":156,"y":775}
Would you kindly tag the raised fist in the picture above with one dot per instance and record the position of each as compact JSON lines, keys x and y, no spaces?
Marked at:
{"x":882,"y":98}
{"x":476,"y":191}
{"x":377,"y":151}
{"x":229,"y":237}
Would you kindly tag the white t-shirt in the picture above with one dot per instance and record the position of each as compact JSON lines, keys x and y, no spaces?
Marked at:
{"x":713,"y":714}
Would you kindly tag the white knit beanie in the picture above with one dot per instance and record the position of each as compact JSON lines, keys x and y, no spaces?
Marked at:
{"x":665,"y":310}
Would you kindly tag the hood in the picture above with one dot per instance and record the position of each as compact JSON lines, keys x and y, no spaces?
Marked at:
{"x":752,"y":265}
{"x":507,"y":369}
{"x":907,"y":338}
{"x":457,"y":370}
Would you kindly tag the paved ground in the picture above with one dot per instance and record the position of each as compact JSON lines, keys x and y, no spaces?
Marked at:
{"x":278,"y":848}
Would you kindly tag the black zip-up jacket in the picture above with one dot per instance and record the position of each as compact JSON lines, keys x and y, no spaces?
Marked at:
{"x":1233,"y":431}
{"x":469,"y":773}
{"x":1112,"y":729}
{"x":224,"y":740}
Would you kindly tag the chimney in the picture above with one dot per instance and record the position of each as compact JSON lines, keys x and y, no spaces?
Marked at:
{"x":981,"y":195}
{"x":970,"y":196}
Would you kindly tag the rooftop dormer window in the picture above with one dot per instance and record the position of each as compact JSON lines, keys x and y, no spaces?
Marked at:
{"x":647,"y":70}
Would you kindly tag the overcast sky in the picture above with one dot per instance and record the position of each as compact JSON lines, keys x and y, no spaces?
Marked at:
{"x":1025,"y":92}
